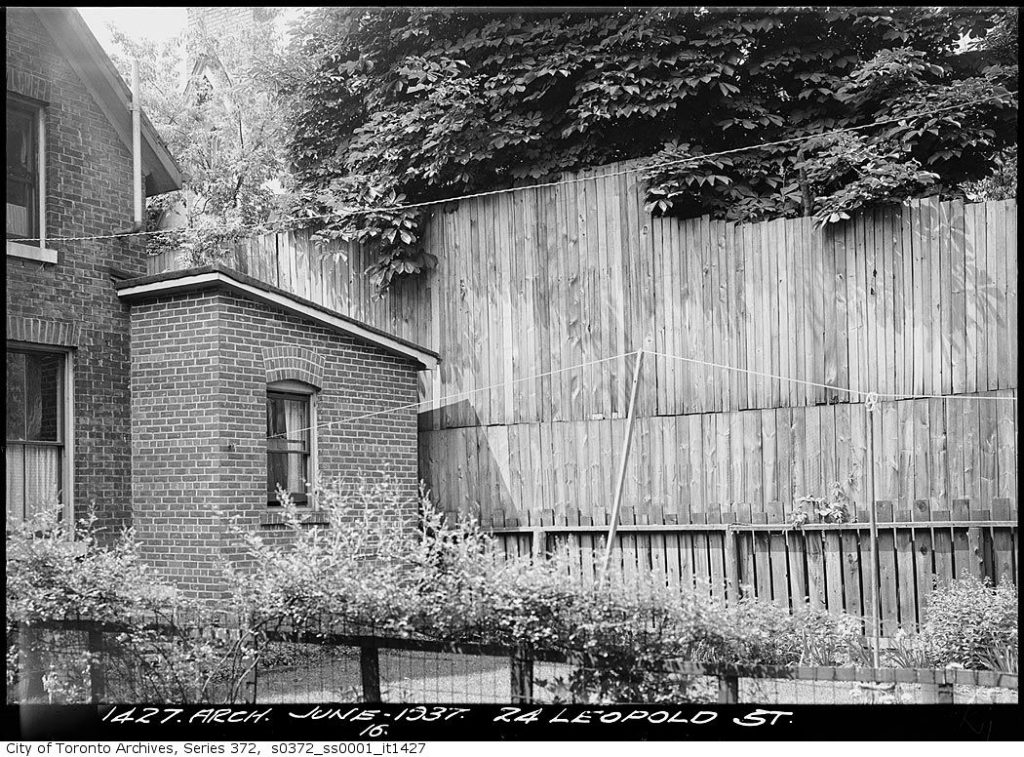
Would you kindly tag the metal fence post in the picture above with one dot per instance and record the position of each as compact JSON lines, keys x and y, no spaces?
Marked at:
{"x":521,"y":666}
{"x":369,"y":669}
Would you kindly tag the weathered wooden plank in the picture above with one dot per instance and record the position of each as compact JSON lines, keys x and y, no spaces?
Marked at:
{"x":771,"y":249}
{"x":1002,"y":544}
{"x":832,"y":552}
{"x":1006,"y":455}
{"x":930,"y":221}
{"x":702,"y":245}
{"x":717,"y":279}
{"x":918,"y":252}
{"x":867,"y":226}
{"x":988,"y":467}
{"x":613,"y":313}
{"x":831,"y":311}
{"x":817,"y":586}
{"x":678,"y":452}
{"x":795,"y":272}
{"x":906,"y":583}
{"x":761,"y":359}
{"x":861,"y":458}
{"x":924,"y":547}
{"x":740,"y":313}
{"x":982,"y":293}
{"x":971,"y":312}
{"x":716,"y":559}
{"x":589,"y":270}
{"x":887,"y":570}
{"x":744,"y":553}
{"x":962,"y":562}
{"x":711,"y":460}
{"x":665,"y":307}
{"x":685,"y":294}
{"x":695,"y":450}
{"x":769,"y":463}
{"x":944,"y":568}
{"x":1010,"y":249}
{"x":701,"y":557}
{"x":852,"y":566}
{"x":945,"y":302}
{"x":853,"y":248}
{"x":761,"y":552}
{"x":796,"y":549}
{"x":957,"y":294}
{"x":751,"y":489}
{"x":995,"y":291}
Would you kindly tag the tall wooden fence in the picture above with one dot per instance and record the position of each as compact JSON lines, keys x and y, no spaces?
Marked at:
{"x":542,"y":297}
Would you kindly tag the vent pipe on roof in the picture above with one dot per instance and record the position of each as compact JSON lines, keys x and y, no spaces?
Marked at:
{"x":137,"y":147}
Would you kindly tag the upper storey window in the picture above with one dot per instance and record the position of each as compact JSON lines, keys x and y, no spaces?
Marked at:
{"x":26,"y":190}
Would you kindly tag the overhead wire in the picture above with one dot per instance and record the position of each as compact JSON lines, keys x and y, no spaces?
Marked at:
{"x":867,"y":394}
{"x":650,"y":166}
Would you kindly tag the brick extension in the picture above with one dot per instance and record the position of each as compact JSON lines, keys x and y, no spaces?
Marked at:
{"x":201,"y":364}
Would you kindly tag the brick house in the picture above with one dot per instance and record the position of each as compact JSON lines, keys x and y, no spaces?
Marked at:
{"x":164,"y":402}
{"x":69,"y":174}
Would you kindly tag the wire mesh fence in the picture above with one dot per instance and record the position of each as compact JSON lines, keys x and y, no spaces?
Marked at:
{"x":81,"y":661}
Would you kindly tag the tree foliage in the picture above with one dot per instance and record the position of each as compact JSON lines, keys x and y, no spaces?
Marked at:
{"x":398,"y":106}
{"x":224,"y":122}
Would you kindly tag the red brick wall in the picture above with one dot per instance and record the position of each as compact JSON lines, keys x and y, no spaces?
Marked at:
{"x":89,"y":191}
{"x":200,"y":368}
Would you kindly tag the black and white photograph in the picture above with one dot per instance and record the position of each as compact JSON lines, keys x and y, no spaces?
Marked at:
{"x":411,"y":374}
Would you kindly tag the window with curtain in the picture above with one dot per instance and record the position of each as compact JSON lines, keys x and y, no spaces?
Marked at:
{"x":35,"y":431}
{"x":289,"y":445}
{"x":22,"y":201}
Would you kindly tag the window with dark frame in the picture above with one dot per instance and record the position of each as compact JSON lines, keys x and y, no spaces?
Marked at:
{"x":289,"y":447}
{"x":22,"y":200}
{"x":35,"y":452}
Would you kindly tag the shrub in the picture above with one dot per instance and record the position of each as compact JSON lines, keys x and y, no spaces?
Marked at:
{"x":450,"y":580}
{"x":971,"y":623}
{"x":57,"y":572}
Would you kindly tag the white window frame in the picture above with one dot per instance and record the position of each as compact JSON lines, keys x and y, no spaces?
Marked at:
{"x":310,"y":392}
{"x":16,"y":248}
{"x":68,"y":460}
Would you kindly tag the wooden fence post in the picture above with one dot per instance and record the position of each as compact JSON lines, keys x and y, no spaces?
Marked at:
{"x":937,"y":693}
{"x":522,"y":675}
{"x":728,"y":688}
{"x":976,"y":552}
{"x":539,"y":544}
{"x":30,"y":667}
{"x":97,"y":671}
{"x":369,"y":671}
{"x":732,"y":566}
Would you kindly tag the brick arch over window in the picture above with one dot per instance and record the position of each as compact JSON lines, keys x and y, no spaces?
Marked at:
{"x":39,"y":331}
{"x":294,"y":364}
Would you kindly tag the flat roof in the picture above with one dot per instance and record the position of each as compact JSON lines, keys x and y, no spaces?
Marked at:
{"x":221,"y":277}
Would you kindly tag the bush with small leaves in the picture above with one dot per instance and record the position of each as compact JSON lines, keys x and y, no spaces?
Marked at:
{"x":971,"y":623}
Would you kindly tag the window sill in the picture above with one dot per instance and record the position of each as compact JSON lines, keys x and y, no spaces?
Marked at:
{"x":30,"y":252}
{"x":312,"y":518}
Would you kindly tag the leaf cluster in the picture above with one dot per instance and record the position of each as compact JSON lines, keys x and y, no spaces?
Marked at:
{"x":402,"y":105}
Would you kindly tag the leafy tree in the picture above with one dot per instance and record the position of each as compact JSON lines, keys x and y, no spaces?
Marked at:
{"x":398,"y":106}
{"x":225,"y":125}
